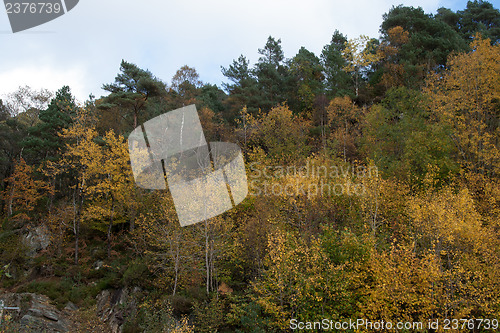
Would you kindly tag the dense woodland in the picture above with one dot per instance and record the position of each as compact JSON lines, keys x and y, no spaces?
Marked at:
{"x":410,"y":121}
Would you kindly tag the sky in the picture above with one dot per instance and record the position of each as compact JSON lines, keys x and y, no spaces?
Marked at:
{"x":83,"y":48}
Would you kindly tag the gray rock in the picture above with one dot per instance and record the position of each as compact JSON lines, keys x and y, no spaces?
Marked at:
{"x":51,"y":315}
{"x":29,"y":321}
{"x":37,"y":239}
{"x":70,"y":307}
{"x":98,"y":265}
{"x":114,"y":306}
{"x":43,"y":325}
{"x":36,"y":313}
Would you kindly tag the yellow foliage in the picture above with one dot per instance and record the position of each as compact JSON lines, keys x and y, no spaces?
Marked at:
{"x":447,"y":226}
{"x":23,"y":192}
{"x":466,"y":97}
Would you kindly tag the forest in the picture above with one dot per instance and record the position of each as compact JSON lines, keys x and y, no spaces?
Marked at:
{"x":374,"y":191}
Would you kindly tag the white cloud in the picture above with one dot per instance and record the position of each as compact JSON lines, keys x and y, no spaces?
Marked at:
{"x":43,"y":77}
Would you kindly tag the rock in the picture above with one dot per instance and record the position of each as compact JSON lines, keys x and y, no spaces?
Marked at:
{"x":42,"y":325}
{"x":29,"y":321}
{"x":114,"y":306}
{"x":51,"y":315}
{"x":70,"y":307}
{"x":37,"y":239}
{"x":37,"y":313}
{"x":102,"y":302}
{"x":98,"y":265}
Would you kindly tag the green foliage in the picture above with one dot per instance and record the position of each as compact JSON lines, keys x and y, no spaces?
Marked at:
{"x":307,"y":72}
{"x":431,"y":39}
{"x":419,"y":240}
{"x":213,"y":98}
{"x":130,"y":93}
{"x":137,"y":274}
{"x":343,"y":246}
{"x":243,"y":91}
{"x":404,"y":142}
{"x":480,"y":17}
{"x":249,"y":318}
{"x":338,"y":82}
{"x":209,"y":315}
{"x":273,"y":78}
{"x":62,"y":291}
{"x":43,"y":141}
{"x":13,"y":260}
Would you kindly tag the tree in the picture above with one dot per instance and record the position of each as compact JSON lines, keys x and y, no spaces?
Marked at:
{"x":109,"y":184}
{"x":289,"y":283}
{"x":449,"y":17}
{"x":304,"y":279}
{"x":464,"y":252}
{"x":281,"y":134}
{"x":406,"y":286}
{"x":44,"y":141}
{"x":343,"y":117}
{"x":4,"y":111}
{"x":307,"y":72}
{"x":12,"y":133}
{"x":430,"y":39}
{"x":337,"y":80}
{"x":131,"y":92}
{"x":186,"y":86}
{"x":403,"y":141}
{"x":394,"y":72}
{"x":479,"y":17}
{"x":359,"y":54}
{"x":243,"y":91}
{"x":212,"y":97}
{"x":186,"y":75}
{"x":272,"y":75}
{"x":466,"y":97}
{"x":23,"y":192}
{"x":81,"y":149}
{"x":25,"y":99}
{"x":172,"y":247}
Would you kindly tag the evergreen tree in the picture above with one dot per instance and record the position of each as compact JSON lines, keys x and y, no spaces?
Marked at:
{"x":480,"y":16}
{"x":431,"y":39}
{"x":338,"y":81}
{"x":272,"y":74}
{"x":212,"y":97}
{"x":43,"y":141}
{"x":307,"y":73}
{"x":243,"y":89}
{"x":131,"y":92}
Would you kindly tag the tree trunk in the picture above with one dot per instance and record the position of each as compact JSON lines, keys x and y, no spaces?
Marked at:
{"x":77,"y":234}
{"x":110,"y":226}
{"x":77,"y":208}
{"x":176,"y":270}
{"x":11,"y":200}
{"x":345,"y":134}
{"x":207,"y":262}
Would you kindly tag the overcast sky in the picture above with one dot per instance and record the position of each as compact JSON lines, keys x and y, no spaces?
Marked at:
{"x":84,"y":48}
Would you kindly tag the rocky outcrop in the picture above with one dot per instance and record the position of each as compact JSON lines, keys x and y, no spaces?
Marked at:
{"x":37,"y":314}
{"x":36,"y":239}
{"x":115,"y":306}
